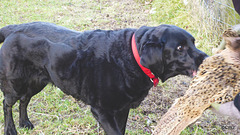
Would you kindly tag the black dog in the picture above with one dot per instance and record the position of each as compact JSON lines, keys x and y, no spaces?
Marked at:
{"x":97,"y":67}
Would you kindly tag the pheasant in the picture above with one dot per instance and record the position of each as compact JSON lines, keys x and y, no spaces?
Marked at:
{"x":217,"y":81}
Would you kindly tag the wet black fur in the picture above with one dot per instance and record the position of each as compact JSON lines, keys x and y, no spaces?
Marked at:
{"x":96,"y":67}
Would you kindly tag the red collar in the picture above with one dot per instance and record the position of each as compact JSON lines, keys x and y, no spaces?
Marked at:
{"x":137,"y":58}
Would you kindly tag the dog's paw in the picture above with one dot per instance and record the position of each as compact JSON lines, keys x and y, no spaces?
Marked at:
{"x":10,"y":131}
{"x":26,"y":124}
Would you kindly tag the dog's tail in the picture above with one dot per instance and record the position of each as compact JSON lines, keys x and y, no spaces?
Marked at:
{"x":5,"y":31}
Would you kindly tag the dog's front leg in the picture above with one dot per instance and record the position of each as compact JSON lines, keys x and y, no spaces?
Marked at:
{"x":9,"y":128}
{"x":121,"y":117}
{"x":107,"y":121}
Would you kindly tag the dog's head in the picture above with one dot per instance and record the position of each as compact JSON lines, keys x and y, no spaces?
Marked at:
{"x":168,"y":51}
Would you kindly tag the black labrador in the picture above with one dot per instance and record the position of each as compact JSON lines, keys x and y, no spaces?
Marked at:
{"x":97,"y":67}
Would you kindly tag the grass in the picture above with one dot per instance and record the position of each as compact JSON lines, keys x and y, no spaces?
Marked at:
{"x":53,"y":112}
{"x":179,"y":14}
{"x":192,"y":16}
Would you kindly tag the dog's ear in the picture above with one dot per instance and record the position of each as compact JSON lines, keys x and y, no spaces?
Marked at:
{"x":151,"y":41}
{"x":151,"y":54}
{"x":149,"y":35}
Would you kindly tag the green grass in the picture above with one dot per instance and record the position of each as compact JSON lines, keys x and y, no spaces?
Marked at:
{"x":67,"y":13}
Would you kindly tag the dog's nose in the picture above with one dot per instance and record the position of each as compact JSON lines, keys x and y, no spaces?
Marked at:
{"x":204,"y":56}
{"x":200,"y":58}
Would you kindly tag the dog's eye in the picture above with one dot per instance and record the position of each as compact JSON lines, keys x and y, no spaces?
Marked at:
{"x":180,"y":48}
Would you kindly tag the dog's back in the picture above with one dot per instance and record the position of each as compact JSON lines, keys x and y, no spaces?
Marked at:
{"x":37,"y":29}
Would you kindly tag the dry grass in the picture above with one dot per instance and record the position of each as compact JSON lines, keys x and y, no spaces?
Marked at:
{"x":212,"y":17}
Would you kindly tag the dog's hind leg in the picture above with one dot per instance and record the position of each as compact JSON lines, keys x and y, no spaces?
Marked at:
{"x":9,"y":128}
{"x":32,"y":90}
{"x":23,"y":117}
{"x":8,"y":102}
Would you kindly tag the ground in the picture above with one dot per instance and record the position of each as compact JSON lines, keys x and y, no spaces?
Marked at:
{"x":52,"y":112}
